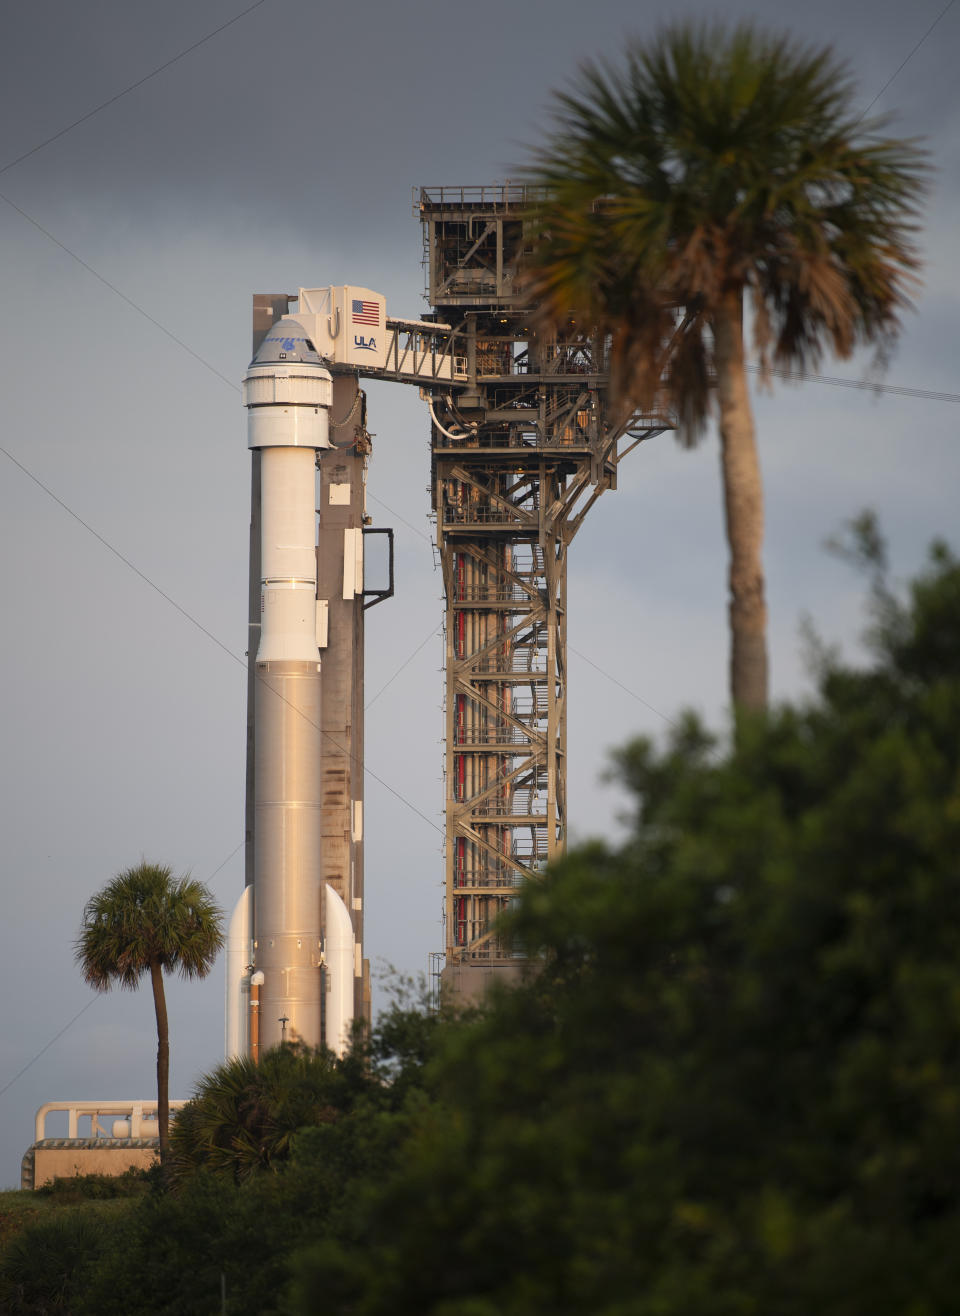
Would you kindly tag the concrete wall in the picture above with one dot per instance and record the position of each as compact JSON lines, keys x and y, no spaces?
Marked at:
{"x":67,"y":1159}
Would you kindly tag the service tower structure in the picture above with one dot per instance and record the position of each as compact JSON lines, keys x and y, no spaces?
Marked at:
{"x":522,"y":447}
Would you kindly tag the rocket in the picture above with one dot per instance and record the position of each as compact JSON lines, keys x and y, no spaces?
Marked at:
{"x":295,"y":964}
{"x":290,"y":949}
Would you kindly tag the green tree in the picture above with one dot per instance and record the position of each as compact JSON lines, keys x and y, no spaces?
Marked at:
{"x":733,"y":1087}
{"x":717,"y":168}
{"x":145,"y":921}
{"x":244,"y":1115}
{"x":245,"y":1191}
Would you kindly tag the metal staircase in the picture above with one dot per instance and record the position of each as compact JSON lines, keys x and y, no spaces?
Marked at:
{"x":524,"y":441}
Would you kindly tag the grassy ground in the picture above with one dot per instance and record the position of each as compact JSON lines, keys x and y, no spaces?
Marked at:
{"x":101,"y":1194}
{"x":18,"y":1209}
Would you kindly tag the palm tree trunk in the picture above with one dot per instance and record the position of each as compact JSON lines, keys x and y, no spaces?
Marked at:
{"x":743,"y":509}
{"x":163,"y":1058}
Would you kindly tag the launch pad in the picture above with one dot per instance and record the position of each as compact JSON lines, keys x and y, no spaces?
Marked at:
{"x":525,"y":437}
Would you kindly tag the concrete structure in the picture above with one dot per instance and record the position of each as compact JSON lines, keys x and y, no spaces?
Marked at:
{"x":130,"y":1140}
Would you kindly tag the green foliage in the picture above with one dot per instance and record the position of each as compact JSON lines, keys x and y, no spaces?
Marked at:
{"x":168,"y":1256}
{"x":715,"y":160}
{"x":734,"y":1085}
{"x":18,"y":1208}
{"x":96,"y":1187}
{"x":242,"y":1218}
{"x":145,"y":917}
{"x":731,"y":1087}
{"x":710,"y":167}
{"x":47,"y":1266}
{"x":244,"y":1115}
{"x":146,"y":922}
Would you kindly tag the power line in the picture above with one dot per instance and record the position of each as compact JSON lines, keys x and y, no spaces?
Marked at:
{"x":900,"y":67}
{"x":112,"y":100}
{"x":44,"y":1049}
{"x":626,"y":689}
{"x":120,"y":556}
{"x":380,"y":503}
{"x":93,"y":1000}
{"x":210,"y":635}
{"x":146,"y":579}
{"x":436,"y":631}
{"x":226,"y":861}
{"x":897,"y":390}
{"x":122,"y":295}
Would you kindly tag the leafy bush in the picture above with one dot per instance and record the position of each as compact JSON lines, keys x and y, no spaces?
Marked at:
{"x":245,"y":1114}
{"x":733,"y":1087}
{"x":96,"y":1187}
{"x":45,"y":1267}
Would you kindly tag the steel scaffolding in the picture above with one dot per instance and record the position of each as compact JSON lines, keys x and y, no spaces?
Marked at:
{"x":524,"y":440}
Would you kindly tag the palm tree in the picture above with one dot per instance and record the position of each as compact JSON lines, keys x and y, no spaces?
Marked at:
{"x":715,"y":170}
{"x":146,"y":921}
{"x":244,"y":1115}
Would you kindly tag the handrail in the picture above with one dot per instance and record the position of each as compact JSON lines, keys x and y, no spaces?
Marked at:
{"x":136,"y":1111}
{"x":490,"y":194}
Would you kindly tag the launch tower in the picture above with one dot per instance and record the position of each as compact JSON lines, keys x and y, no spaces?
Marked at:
{"x":525,"y":437}
{"x":522,"y":447}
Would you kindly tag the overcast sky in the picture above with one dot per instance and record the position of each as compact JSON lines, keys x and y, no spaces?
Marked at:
{"x":282,"y":153}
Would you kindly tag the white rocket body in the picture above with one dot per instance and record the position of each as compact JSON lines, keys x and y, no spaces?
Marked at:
{"x":287,"y":392}
{"x":239,"y":958}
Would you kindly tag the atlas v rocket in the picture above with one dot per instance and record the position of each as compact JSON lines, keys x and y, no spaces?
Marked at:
{"x":295,"y":968}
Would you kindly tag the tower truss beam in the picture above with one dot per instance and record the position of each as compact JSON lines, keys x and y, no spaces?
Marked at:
{"x":523,"y":442}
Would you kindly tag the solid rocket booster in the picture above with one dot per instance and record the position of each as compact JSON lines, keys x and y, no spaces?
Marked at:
{"x":287,"y":392}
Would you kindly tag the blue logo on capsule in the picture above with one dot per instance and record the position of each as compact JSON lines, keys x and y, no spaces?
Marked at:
{"x":288,"y":344}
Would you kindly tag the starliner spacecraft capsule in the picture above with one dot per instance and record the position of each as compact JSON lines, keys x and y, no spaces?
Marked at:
{"x":278,"y":931}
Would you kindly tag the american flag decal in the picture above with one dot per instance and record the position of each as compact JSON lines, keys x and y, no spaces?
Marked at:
{"x":366,"y":313}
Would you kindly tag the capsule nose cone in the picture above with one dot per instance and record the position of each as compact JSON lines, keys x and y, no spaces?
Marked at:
{"x":287,"y":391}
{"x":287,"y":341}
